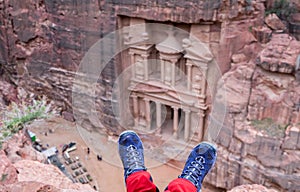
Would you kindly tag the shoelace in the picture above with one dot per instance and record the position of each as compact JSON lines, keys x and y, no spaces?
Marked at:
{"x":194,"y":170}
{"x":134,"y":159}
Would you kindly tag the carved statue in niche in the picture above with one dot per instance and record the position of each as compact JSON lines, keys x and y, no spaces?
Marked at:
{"x":154,"y":62}
{"x":196,"y":81}
{"x":139,"y":67}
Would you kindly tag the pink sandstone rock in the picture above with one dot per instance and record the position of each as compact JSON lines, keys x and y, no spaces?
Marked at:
{"x":8,"y":173}
{"x":18,"y":148}
{"x":245,"y":151}
{"x":262,"y":34}
{"x":61,"y":40}
{"x":280,"y":54}
{"x":239,"y":58}
{"x":234,"y":38}
{"x":30,"y":175}
{"x":238,"y":86}
{"x":68,"y":116}
{"x":46,"y":174}
{"x":296,"y":4}
{"x":274,"y":96}
{"x":8,"y":91}
{"x":296,"y":17}
{"x":33,"y":186}
{"x":251,"y":188}
{"x":273,"y":21}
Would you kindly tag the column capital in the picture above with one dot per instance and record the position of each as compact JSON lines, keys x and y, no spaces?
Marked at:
{"x":133,"y":95}
{"x":173,"y":61}
{"x":201,"y":113}
{"x":205,"y":67}
{"x":162,"y":58}
{"x":131,"y":53}
{"x":145,"y":56}
{"x":146,"y":99}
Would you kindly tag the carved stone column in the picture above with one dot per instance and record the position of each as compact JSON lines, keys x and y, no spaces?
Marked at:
{"x":147,"y":113}
{"x":132,"y":65}
{"x":139,"y":59}
{"x":175,"y":122}
{"x":162,"y":71}
{"x":187,"y":124}
{"x":189,"y":76}
{"x":158,"y":115}
{"x":146,"y":69}
{"x":173,"y":73}
{"x":203,"y":82}
{"x":135,"y":110}
{"x":201,"y":126}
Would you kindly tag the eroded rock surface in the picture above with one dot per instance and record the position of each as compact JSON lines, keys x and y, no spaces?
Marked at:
{"x":7,"y":170}
{"x":42,"y":43}
{"x":251,"y":188}
{"x":273,"y":21}
{"x":48,"y":175}
{"x":8,"y":93}
{"x":280,"y":55}
{"x":258,"y":142}
{"x":19,"y":148}
{"x":296,"y":3}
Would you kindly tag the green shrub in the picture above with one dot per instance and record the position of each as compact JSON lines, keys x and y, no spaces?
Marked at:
{"x":3,"y":177}
{"x":18,"y":115}
{"x":269,"y":127}
{"x":282,"y":8}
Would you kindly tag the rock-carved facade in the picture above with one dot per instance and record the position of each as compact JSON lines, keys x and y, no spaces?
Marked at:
{"x":168,"y":83}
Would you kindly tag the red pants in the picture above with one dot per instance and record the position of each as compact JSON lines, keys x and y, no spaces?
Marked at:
{"x":142,"y":182}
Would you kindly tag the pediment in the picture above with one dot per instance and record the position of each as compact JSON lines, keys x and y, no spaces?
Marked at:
{"x":162,"y":93}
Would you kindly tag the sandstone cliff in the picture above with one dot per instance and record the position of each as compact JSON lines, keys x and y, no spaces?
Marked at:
{"x":42,"y":43}
{"x":259,"y":140}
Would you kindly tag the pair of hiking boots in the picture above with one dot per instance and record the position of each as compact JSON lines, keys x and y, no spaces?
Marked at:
{"x":198,"y":164}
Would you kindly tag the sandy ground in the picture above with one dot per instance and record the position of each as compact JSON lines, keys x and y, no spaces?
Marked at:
{"x":106,"y":177}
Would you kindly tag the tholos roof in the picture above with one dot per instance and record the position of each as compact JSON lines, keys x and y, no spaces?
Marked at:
{"x":170,"y":45}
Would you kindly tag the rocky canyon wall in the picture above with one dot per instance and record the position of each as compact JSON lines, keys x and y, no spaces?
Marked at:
{"x":42,"y":43}
{"x":259,"y":142}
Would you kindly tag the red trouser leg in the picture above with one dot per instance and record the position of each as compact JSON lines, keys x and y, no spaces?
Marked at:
{"x":140,"y":181}
{"x":181,"y":185}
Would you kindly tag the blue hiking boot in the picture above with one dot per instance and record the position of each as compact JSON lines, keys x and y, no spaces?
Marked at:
{"x":198,"y":164}
{"x":131,"y":152}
